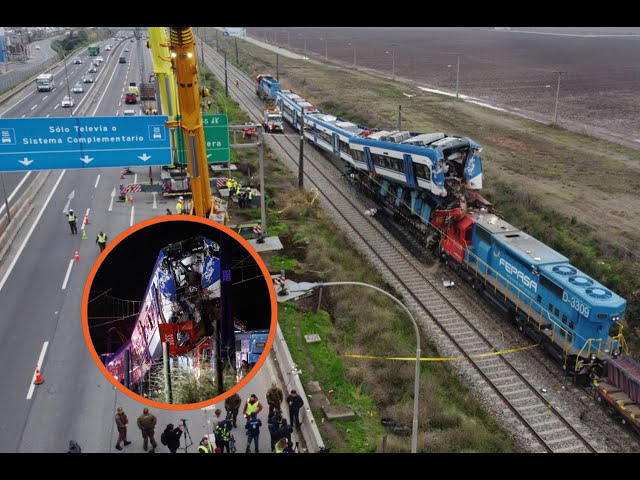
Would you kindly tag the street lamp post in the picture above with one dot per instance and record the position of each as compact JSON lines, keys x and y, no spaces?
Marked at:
{"x":393,"y":62}
{"x":306,"y":286}
{"x":555,"y":115}
{"x":66,"y":75}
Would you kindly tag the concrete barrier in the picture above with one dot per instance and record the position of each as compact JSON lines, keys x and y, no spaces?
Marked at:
{"x":289,"y":372}
{"x":21,"y":214}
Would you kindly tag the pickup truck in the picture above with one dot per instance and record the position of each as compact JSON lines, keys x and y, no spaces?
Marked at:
{"x":130,"y":98}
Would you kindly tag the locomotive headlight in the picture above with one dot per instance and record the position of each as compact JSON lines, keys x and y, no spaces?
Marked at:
{"x":593,"y":357}
{"x":615,"y":318}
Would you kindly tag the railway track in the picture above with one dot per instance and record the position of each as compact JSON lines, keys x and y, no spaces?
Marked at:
{"x":545,"y":428}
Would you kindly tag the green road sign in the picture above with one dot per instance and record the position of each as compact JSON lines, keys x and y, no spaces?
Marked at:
{"x":216,"y":137}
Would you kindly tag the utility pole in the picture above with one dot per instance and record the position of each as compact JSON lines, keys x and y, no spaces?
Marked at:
{"x":167,"y":372}
{"x":237,"y":61}
{"x":555,"y":115}
{"x":301,"y":159}
{"x":458,"y":76}
{"x":263,"y":208}
{"x":399,"y":117}
{"x":277,"y":68}
{"x":226,"y":83}
{"x":217,"y":45}
{"x":326,"y":54}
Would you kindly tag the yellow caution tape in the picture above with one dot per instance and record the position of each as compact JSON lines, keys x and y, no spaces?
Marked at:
{"x":444,"y":359}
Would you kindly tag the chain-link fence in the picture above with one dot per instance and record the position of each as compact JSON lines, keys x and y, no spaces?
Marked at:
{"x":15,"y":77}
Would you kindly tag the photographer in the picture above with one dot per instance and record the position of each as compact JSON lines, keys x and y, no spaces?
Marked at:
{"x":171,"y":437}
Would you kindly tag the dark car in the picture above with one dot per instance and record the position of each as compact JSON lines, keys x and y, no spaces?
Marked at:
{"x":122,"y":60}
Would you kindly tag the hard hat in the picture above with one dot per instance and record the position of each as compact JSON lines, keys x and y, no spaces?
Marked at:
{"x":181,"y":198}
{"x":71,"y":210}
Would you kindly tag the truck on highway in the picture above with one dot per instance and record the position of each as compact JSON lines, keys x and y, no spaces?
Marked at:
{"x":45,"y":82}
{"x":148,"y":99}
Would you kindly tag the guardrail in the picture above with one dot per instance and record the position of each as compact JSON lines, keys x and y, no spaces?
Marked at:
{"x":290,"y":375}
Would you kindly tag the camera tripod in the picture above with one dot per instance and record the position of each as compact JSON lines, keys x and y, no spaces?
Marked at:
{"x":186,"y":435}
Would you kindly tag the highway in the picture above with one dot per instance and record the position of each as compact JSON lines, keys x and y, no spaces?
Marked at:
{"x":41,"y":291}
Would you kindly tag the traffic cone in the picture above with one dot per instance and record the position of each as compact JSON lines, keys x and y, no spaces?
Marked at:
{"x":86,"y":219}
{"x":131,"y":199}
{"x":84,"y":235}
{"x":121,"y":174}
{"x":76,"y":257}
{"x":39,"y":380}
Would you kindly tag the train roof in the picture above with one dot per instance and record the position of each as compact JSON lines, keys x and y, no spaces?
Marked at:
{"x":528,"y":249}
{"x":571,"y":279}
{"x":337,"y":124}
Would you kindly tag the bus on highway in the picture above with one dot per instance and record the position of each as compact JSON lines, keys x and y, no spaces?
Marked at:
{"x":45,"y":82}
{"x":94,"y":50}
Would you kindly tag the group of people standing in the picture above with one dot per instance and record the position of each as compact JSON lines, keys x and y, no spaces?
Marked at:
{"x":279,"y":429}
{"x":244,"y":194}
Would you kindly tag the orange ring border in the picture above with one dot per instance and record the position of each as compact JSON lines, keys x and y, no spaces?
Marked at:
{"x":85,"y":311}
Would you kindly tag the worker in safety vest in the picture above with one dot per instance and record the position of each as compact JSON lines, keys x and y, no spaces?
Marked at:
{"x":249,"y":197}
{"x":205,"y":446}
{"x":180,"y":206}
{"x":72,"y":222}
{"x":252,"y":405}
{"x":101,"y":240}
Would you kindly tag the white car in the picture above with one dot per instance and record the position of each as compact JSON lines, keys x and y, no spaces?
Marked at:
{"x":37,"y":47}
{"x":78,"y":88}
{"x":126,"y":49}
{"x":107,"y":48}
{"x":67,"y":101}
{"x":87,"y":79}
{"x":77,"y":61}
{"x":99,"y":59}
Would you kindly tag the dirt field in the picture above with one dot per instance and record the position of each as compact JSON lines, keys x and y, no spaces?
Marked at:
{"x":601,"y":89}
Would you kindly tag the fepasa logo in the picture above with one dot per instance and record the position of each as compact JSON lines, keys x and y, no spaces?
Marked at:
{"x":524,"y":278}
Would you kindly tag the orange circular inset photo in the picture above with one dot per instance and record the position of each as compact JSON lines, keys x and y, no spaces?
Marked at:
{"x":179,"y":312}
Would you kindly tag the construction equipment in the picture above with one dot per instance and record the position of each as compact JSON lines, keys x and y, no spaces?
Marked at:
{"x":183,"y":57}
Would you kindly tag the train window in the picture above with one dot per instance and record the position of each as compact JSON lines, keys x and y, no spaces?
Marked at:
{"x":468,"y":236}
{"x":344,"y":146}
{"x":357,"y":155}
{"x":325,"y":137}
{"x":421,"y":171}
{"x":483,"y":235}
{"x":551,"y":287}
{"x":602,"y":315}
{"x":539,"y":299}
{"x":556,"y":312}
{"x":571,"y":325}
{"x":551,"y":307}
{"x":564,"y":319}
{"x":387,"y":162}
{"x":512,"y":235}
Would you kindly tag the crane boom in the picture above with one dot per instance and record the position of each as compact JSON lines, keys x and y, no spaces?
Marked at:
{"x":159,"y":45}
{"x":183,"y":57}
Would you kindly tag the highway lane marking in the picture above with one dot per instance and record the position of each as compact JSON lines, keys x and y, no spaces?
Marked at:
{"x":135,"y":178}
{"x":48,"y":115}
{"x":86,"y":215}
{"x":56,"y":106}
{"x":45,"y":97}
{"x":66,"y":277}
{"x":15,"y":190}
{"x":34,"y":107}
{"x":40,"y":360}
{"x":104,"y":93}
{"x":132,"y":210}
{"x":113,"y":194}
{"x":97,"y":180}
{"x":30,"y":232}
{"x":23,"y":116}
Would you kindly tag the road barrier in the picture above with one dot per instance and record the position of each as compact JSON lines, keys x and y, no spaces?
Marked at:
{"x":10,"y":229}
{"x":291,"y":377}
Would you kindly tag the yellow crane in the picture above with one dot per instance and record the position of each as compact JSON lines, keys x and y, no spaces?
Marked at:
{"x":159,"y":45}
{"x":184,"y":92}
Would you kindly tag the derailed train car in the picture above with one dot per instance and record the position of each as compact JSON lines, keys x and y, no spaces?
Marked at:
{"x":180,"y":304}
